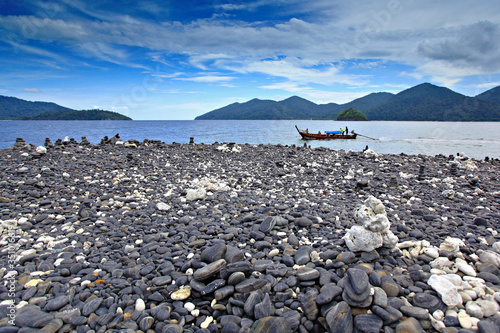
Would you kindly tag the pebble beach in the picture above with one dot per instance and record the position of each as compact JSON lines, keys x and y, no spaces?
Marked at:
{"x":155,"y":237}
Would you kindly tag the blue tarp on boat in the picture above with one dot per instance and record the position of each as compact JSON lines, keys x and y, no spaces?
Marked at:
{"x":332,"y":132}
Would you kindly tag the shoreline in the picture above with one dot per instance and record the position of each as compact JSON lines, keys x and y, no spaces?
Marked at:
{"x":245,"y":238}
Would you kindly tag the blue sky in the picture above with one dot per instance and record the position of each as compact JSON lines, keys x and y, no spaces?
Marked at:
{"x":179,"y":59}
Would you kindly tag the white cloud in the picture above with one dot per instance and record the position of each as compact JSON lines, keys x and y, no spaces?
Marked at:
{"x":486,"y":85}
{"x":32,"y":90}
{"x":207,"y":79}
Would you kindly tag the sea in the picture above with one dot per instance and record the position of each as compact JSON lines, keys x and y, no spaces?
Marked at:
{"x":473,"y":139}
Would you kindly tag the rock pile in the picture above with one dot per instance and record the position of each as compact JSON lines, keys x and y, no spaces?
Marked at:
{"x":193,"y":238}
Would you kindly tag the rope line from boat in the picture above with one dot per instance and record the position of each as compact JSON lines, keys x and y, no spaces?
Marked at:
{"x":364,"y":136}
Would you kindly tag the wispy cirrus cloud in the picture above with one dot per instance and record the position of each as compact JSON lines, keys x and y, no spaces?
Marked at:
{"x":32,"y":90}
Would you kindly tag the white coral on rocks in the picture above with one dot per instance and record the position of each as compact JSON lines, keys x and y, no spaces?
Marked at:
{"x":372,"y":230}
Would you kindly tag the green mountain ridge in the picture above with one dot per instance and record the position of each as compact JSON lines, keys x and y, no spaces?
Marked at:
{"x":291,"y":108}
{"x":12,"y":108}
{"x":77,"y":115}
{"x":424,"y":102}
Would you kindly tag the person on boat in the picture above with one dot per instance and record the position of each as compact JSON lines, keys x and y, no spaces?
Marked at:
{"x":346,"y":131}
{"x":341,"y":131}
{"x":307,"y":130}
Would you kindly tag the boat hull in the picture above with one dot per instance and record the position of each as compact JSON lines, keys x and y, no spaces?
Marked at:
{"x":318,"y":136}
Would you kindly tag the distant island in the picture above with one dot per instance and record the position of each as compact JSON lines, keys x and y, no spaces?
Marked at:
{"x":12,"y":108}
{"x":351,"y":115}
{"x":424,"y":102}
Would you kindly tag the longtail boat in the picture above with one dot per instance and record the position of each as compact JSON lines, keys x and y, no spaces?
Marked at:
{"x":327,"y":135}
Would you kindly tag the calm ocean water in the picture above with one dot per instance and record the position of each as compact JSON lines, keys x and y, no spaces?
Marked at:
{"x":430,"y":138}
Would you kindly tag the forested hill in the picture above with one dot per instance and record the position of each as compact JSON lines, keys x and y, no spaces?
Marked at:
{"x":12,"y":108}
{"x":424,"y":102}
{"x":78,"y":115}
{"x":292,"y":108}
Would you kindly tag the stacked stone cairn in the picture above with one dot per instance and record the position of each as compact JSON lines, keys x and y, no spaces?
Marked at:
{"x":19,"y":143}
{"x":48,"y":144}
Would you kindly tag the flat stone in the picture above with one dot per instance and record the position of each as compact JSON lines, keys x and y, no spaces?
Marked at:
{"x":388,"y":314}
{"x":302,"y":256}
{"x":271,"y":324}
{"x":429,"y":302}
{"x":250,"y":285}
{"x":91,"y":306}
{"x":210,"y":270}
{"x":307,"y":274}
{"x":214,"y":253}
{"x":339,"y":318}
{"x":390,"y":287}
{"x":327,"y":294}
{"x":57,"y":303}
{"x":268,"y":224}
{"x":368,"y":323}
{"x":358,"y":280}
{"x":309,"y":305}
{"x":410,"y":325}
{"x":415,"y":312}
{"x":33,"y":318}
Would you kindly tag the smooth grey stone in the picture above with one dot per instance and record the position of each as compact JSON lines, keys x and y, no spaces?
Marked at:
{"x":56,"y":303}
{"x":263,"y":309}
{"x":253,"y":299}
{"x":161,"y":280}
{"x":268,"y":224}
{"x":236,"y":278}
{"x":302,"y":256}
{"x":172,"y":328}
{"x":380,"y":297}
{"x":339,"y":319}
{"x":410,"y":325}
{"x":52,"y":326}
{"x":91,"y":306}
{"x":208,"y":271}
{"x":146,"y":323}
{"x":230,"y":327}
{"x":271,"y":324}
{"x":388,"y":314}
{"x":358,"y":280}
{"x":327,"y":294}
{"x":309,"y":305}
{"x":293,"y":240}
{"x":250,"y":285}
{"x":307,"y":274}
{"x":368,"y":323}
{"x":262,"y":264}
{"x":212,"y":286}
{"x":214,"y":253}
{"x":486,"y":326}
{"x":223,"y":292}
{"x":68,"y":314}
{"x":303,"y":222}
{"x":233,"y":254}
{"x":451,"y":321}
{"x":429,"y":302}
{"x":33,"y":318}
{"x":293,"y":318}
{"x":244,"y":267}
{"x":415,"y":312}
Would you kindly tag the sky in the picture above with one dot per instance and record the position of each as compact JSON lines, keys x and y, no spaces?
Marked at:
{"x":153,"y":59}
